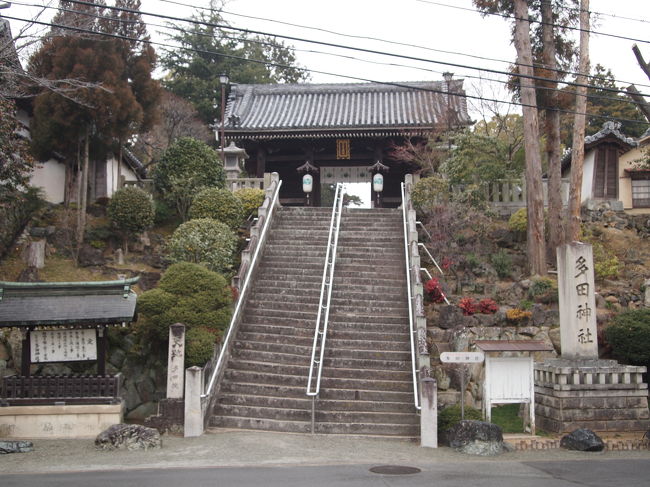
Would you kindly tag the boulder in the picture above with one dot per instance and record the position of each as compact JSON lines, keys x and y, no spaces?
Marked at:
{"x":128,"y":437}
{"x":475,"y":438}
{"x":450,"y":316}
{"x":15,"y":447}
{"x":90,"y":256}
{"x":582,"y":439}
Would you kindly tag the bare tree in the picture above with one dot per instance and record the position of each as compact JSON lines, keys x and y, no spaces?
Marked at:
{"x":178,"y":118}
{"x":536,"y":245}
{"x":572,"y":231}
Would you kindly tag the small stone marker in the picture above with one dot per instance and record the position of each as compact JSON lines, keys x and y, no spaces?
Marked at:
{"x":176,"y":361}
{"x":578,"y":334}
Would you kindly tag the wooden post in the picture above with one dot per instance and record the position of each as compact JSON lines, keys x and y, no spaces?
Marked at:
{"x":101,"y":350}
{"x":26,"y":355}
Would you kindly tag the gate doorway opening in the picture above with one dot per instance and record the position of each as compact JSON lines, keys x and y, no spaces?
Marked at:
{"x":356,"y":185}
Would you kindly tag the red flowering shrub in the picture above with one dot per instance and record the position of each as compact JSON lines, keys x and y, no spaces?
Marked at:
{"x":446,"y":263}
{"x":487,"y":306}
{"x":469,"y":306}
{"x":433,"y":289}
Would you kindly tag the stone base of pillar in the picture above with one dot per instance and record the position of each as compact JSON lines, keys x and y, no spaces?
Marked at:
{"x":601,"y":395}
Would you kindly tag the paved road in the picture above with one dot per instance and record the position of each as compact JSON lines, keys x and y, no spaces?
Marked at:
{"x":588,"y":473}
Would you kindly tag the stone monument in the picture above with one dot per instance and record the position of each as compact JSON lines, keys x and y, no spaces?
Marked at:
{"x":579,"y":390}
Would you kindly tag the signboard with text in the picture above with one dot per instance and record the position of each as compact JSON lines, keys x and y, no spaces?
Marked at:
{"x":462,"y":357}
{"x":63,"y":345}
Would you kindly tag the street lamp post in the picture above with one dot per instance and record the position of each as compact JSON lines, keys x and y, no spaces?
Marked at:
{"x":223,"y":79}
{"x":447,"y":76}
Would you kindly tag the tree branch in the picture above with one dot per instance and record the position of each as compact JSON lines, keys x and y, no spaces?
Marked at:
{"x":639,"y":57}
{"x":643,"y":105}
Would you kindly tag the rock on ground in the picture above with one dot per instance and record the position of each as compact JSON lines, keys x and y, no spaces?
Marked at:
{"x":582,"y":439}
{"x":129,"y":437}
{"x":475,"y":438}
{"x":15,"y":446}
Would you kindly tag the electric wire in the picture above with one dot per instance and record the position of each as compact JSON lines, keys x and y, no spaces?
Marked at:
{"x":343,"y":46}
{"x":270,"y":44}
{"x":534,"y":21}
{"x":355,"y":78}
{"x":397,"y":43}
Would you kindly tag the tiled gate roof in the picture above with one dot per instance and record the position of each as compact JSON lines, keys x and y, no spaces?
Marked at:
{"x":337,"y":109}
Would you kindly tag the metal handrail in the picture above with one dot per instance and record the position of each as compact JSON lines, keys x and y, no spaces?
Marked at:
{"x":327,"y":283}
{"x":242,"y":291}
{"x":413,"y":331}
{"x":439,"y":269}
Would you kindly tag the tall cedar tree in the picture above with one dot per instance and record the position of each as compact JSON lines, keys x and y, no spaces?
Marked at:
{"x":526,"y":87}
{"x":203,"y":54}
{"x":97,"y":118}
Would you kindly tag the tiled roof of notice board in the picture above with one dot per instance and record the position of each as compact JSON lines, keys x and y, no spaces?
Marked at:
{"x":67,"y":303}
{"x":294,"y":110}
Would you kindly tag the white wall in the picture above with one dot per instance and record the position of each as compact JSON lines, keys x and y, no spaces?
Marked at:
{"x":588,"y":175}
{"x":113,"y":174}
{"x":50,"y":177}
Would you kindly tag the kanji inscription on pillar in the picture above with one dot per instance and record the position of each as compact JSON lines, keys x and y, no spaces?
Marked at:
{"x":63,"y":345}
{"x":577,"y":301}
{"x":176,"y":361}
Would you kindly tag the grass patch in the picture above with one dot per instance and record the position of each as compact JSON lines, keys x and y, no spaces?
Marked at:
{"x":506,"y":416}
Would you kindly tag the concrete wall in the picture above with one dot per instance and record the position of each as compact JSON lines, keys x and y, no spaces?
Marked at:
{"x":114,"y":174}
{"x":33,"y":422}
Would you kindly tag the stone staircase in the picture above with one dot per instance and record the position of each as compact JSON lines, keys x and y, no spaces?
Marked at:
{"x":366,"y":386}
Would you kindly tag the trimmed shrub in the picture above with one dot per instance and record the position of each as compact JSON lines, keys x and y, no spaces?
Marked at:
{"x":219,"y":204}
{"x":199,"y":346}
{"x":428,"y":192}
{"x":204,"y":241}
{"x":187,"y":167}
{"x":131,"y":210}
{"x":518,"y":221}
{"x":251,"y":199}
{"x":189,"y":294}
{"x":502,"y":263}
{"x":629,"y":336}
{"x":543,"y":290}
{"x":452,"y":415}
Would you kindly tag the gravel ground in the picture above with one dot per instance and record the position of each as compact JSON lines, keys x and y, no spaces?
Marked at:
{"x":236,"y":448}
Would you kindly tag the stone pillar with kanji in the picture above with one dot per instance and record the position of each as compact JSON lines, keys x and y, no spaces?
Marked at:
{"x":176,"y":361}
{"x":578,"y":333}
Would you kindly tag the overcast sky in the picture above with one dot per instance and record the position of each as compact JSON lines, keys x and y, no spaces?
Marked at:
{"x":433,"y":27}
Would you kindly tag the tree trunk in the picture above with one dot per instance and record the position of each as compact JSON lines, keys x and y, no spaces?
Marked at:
{"x":83,"y":202}
{"x":536,"y":245}
{"x":552,"y":129}
{"x":572,"y":231}
{"x":643,"y":105}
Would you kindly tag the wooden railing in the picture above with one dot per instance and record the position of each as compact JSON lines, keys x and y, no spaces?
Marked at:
{"x":68,"y":389}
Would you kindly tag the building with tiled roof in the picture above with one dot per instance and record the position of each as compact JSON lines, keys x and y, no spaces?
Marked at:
{"x":338,"y":130}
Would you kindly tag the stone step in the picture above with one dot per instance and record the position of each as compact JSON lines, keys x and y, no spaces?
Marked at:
{"x":369,"y":275}
{"x":391,"y":355}
{"x":252,"y":377}
{"x":298,"y":252}
{"x":321,"y":404}
{"x":336,"y":417}
{"x":307,"y":331}
{"x":367,"y":345}
{"x":367,"y":302}
{"x":398,"y":431}
{"x":333,"y":373}
{"x":336,"y":316}
{"x":306,"y":296}
{"x":285,"y":348}
{"x":305,"y":341}
{"x":289,"y":261}
{"x":273,"y":357}
{"x":346,"y":294}
{"x":268,"y":271}
{"x":371,"y":308}
{"x":352,"y":327}
{"x":276,"y":390}
{"x":274,"y":315}
{"x":271,"y":304}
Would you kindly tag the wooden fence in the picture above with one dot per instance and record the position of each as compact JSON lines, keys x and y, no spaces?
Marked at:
{"x":68,"y":389}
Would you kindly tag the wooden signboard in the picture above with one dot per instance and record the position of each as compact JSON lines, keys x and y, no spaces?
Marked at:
{"x":63,"y":345}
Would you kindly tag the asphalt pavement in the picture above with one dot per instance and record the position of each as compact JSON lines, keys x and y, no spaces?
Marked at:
{"x":246,"y":458}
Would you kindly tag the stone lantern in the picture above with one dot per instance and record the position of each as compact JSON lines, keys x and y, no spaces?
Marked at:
{"x":233,"y":158}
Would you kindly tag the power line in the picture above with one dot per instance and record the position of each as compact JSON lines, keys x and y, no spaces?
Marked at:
{"x":343,"y":46}
{"x":601,"y":14}
{"x":533,"y":21}
{"x":271,"y":44}
{"x":397,"y":43}
{"x":284,"y":66}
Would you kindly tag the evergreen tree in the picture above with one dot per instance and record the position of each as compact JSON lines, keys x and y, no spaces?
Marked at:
{"x":203,"y":54}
